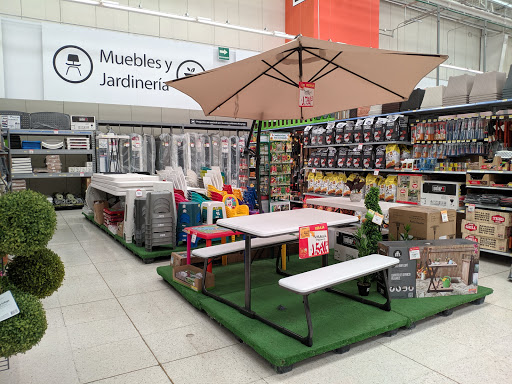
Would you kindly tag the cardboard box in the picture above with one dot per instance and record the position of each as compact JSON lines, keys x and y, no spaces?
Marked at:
{"x":485,"y":229}
{"x":490,"y":217}
{"x":487,"y":242}
{"x":409,"y":189}
{"x":425,"y":222}
{"x":497,"y":164}
{"x":180,"y":258}
{"x":98,"y":211}
{"x":186,"y":275}
{"x":120,"y":229}
{"x":444,"y":194}
{"x":412,"y":278}
{"x":345,"y":243}
{"x":483,"y":179}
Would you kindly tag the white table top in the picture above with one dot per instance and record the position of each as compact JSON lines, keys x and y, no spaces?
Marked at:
{"x":281,"y":223}
{"x":345,"y":203}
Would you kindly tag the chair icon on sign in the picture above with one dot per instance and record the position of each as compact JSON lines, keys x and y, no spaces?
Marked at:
{"x":73,"y":62}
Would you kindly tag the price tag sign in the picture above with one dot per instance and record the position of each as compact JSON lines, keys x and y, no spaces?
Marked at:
{"x":375,"y":217}
{"x":138,"y":193}
{"x":360,"y":146}
{"x":30,"y":151}
{"x":376,"y":172}
{"x":81,"y":174}
{"x":414,"y":253}
{"x":166,"y":144}
{"x":313,"y":241}
{"x":56,"y":131}
{"x":444,"y":216}
{"x":194,"y":238}
{"x":8,"y":306}
{"x":471,"y":207}
{"x":306,"y":94}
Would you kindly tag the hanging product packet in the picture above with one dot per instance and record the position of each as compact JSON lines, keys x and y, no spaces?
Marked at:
{"x":350,"y":154}
{"x":392,"y":133}
{"x":323,"y":158}
{"x":330,"y":133}
{"x":358,"y":131}
{"x":392,"y":156}
{"x":368,"y":157}
{"x":339,"y":132}
{"x":357,"y":157}
{"x":379,"y":129}
{"x":342,"y":158}
{"x":368,"y":129}
{"x":348,"y":132}
{"x":380,"y":157}
{"x":403,"y":127}
{"x":316,"y":159}
{"x":320,"y":135}
{"x":307,"y":135}
{"x":332,"y":157}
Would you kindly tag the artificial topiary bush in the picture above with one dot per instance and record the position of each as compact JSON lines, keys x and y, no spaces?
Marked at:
{"x":39,"y":273}
{"x":27,"y":222}
{"x":21,"y":332}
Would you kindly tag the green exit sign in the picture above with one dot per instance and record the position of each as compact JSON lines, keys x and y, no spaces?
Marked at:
{"x":223,"y":53}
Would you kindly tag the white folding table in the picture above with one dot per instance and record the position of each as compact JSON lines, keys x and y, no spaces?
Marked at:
{"x":345,"y":203}
{"x":275,"y":224}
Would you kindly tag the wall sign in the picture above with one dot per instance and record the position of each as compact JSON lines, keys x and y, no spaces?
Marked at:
{"x":297,"y":2}
{"x":70,"y":63}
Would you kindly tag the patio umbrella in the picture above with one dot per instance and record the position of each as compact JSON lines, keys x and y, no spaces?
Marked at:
{"x":266,"y":86}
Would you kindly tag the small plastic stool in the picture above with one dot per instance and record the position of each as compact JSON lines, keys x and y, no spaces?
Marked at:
{"x":212,"y":210}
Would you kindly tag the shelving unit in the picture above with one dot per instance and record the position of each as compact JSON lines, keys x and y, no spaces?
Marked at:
{"x":491,"y":188}
{"x":492,"y":207}
{"x":12,"y":153}
{"x":279,"y":183}
{"x":356,"y":144}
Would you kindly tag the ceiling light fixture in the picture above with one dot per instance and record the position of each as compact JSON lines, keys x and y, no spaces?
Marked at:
{"x":199,"y":19}
{"x":459,"y":68}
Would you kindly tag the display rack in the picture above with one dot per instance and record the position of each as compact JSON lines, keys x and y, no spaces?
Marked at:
{"x":13,"y":152}
{"x":280,"y":171}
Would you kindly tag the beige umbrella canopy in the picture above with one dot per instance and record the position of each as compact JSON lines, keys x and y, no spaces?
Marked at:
{"x":266,"y":86}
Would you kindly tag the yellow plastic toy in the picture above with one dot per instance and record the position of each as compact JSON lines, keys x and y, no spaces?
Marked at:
{"x":211,"y":189}
{"x":233,"y":209}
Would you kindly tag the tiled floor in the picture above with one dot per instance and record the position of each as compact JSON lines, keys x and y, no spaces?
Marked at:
{"x":114,"y":321}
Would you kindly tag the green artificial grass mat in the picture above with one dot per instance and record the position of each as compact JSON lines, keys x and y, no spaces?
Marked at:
{"x":160,"y":251}
{"x":337,"y":321}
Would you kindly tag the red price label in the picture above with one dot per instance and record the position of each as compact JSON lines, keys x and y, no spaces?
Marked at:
{"x":306,"y":94}
{"x":313,"y":241}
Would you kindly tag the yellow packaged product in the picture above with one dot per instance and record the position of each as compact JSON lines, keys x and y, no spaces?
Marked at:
{"x":382,"y":188}
{"x":318,"y":182}
{"x":333,"y":181}
{"x":371,"y":181}
{"x":392,"y":156}
{"x":342,"y":178}
{"x":391,"y":186}
{"x":311,"y":182}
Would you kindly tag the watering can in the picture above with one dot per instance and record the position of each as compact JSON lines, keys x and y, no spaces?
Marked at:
{"x":447,"y":281}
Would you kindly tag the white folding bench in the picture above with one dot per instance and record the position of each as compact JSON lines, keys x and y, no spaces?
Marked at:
{"x":325,"y":278}
{"x":209,"y":253}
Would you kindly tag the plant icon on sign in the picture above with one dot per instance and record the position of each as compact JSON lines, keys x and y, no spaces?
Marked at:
{"x":188,"y":68}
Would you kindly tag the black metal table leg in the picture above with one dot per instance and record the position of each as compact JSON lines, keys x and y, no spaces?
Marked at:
{"x":247,"y":268}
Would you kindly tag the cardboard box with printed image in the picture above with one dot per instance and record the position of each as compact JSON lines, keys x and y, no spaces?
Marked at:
{"x":180,"y":258}
{"x":192,"y":277}
{"x":345,"y":243}
{"x":487,"y":242}
{"x":426,"y":222}
{"x":431,"y":268}
{"x":490,"y":217}
{"x":497,"y":231}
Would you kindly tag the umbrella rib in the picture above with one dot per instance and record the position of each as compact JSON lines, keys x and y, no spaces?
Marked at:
{"x":284,"y":81}
{"x":355,"y":74}
{"x":282,"y":74}
{"x":321,"y":69}
{"x":249,"y":83}
{"x":326,"y":73}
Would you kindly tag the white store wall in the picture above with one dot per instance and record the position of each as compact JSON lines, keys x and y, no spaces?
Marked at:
{"x":460,"y":42}
{"x":248,"y":13}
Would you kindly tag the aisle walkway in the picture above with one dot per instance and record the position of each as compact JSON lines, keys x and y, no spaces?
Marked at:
{"x":115,"y":321}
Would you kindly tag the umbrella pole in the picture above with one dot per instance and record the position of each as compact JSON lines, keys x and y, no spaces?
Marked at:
{"x":258,"y":161}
